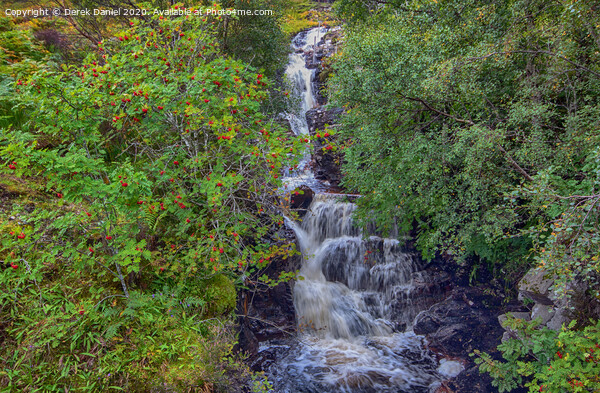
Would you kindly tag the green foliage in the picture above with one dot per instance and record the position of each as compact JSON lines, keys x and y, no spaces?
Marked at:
{"x":474,"y":123}
{"x":546,"y":361}
{"x":258,"y":40}
{"x":568,"y":245}
{"x":456,"y":112}
{"x":19,"y":51}
{"x":20,"y":55}
{"x":260,"y":384}
{"x":219,"y":293}
{"x":157,"y":172}
{"x":62,"y":337}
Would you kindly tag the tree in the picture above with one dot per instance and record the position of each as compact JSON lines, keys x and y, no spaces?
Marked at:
{"x":256,"y":39}
{"x":452,"y":107}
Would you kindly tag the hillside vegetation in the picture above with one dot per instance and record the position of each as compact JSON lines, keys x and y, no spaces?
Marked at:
{"x":137,"y":196}
{"x":474,"y":124}
{"x":141,"y":163}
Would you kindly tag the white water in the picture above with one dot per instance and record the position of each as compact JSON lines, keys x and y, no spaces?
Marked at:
{"x":353,"y":301}
{"x":301,"y":76}
{"x":301,"y":79}
{"x":342,"y":305}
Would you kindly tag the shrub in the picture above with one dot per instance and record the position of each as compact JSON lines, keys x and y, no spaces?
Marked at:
{"x":157,"y":171}
{"x":546,"y":361}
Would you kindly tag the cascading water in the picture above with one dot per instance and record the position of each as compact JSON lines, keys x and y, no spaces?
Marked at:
{"x":353,"y":298}
{"x":301,"y":79}
{"x":349,"y":341}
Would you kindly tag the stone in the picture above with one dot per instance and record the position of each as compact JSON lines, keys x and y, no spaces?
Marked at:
{"x":302,"y":201}
{"x":247,"y":341}
{"x":267,"y":314}
{"x":455,"y":328}
{"x":535,"y":285}
{"x":450,"y":368}
{"x":326,"y":164}
{"x":507,"y":336}
{"x":509,"y":333}
{"x":542,"y":312}
{"x":517,"y":315}
{"x":472,"y":381}
{"x":466,"y":320}
{"x":560,"y":317}
{"x":550,"y":306}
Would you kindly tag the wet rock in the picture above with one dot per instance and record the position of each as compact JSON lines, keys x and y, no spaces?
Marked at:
{"x":302,"y":200}
{"x":247,"y":341}
{"x":318,"y":118}
{"x":326,"y":164}
{"x":430,"y":286}
{"x":450,"y":368}
{"x":465,"y":321}
{"x":456,"y":328}
{"x":326,"y":47}
{"x":266,"y":356}
{"x":267,"y":314}
{"x":471,"y":381}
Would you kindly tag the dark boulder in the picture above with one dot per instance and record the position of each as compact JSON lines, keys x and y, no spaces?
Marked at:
{"x":267,"y":313}
{"x":465,"y":321}
{"x":301,"y":198}
{"x":326,"y":164}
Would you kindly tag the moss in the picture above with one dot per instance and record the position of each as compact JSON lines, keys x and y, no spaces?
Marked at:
{"x":220,"y":295}
{"x":303,"y":14}
{"x":12,"y":186}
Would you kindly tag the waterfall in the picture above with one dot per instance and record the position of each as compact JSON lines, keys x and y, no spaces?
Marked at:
{"x":342,"y":299}
{"x":301,"y":76}
{"x":360,"y":277}
{"x":301,"y":79}
{"x":353,"y":297}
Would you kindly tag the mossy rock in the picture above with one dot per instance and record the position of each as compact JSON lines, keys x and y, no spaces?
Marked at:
{"x":220,"y":295}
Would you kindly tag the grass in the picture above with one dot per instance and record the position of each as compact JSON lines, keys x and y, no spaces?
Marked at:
{"x":304,"y":14}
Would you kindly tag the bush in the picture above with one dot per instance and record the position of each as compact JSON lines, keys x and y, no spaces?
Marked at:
{"x":546,"y":361}
{"x":156,"y":170}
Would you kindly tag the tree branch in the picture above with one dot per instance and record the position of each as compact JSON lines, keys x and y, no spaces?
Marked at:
{"x":513,"y":163}
{"x":537,"y":52}
{"x":510,"y":160}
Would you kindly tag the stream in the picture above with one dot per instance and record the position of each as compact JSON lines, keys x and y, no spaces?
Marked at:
{"x":301,"y":79}
{"x":354,"y":303}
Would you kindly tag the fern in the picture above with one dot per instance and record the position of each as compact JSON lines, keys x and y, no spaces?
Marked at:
{"x":153,"y":217}
{"x":112,"y":330}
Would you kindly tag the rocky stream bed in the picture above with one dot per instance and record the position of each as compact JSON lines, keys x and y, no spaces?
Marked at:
{"x":452,"y":314}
